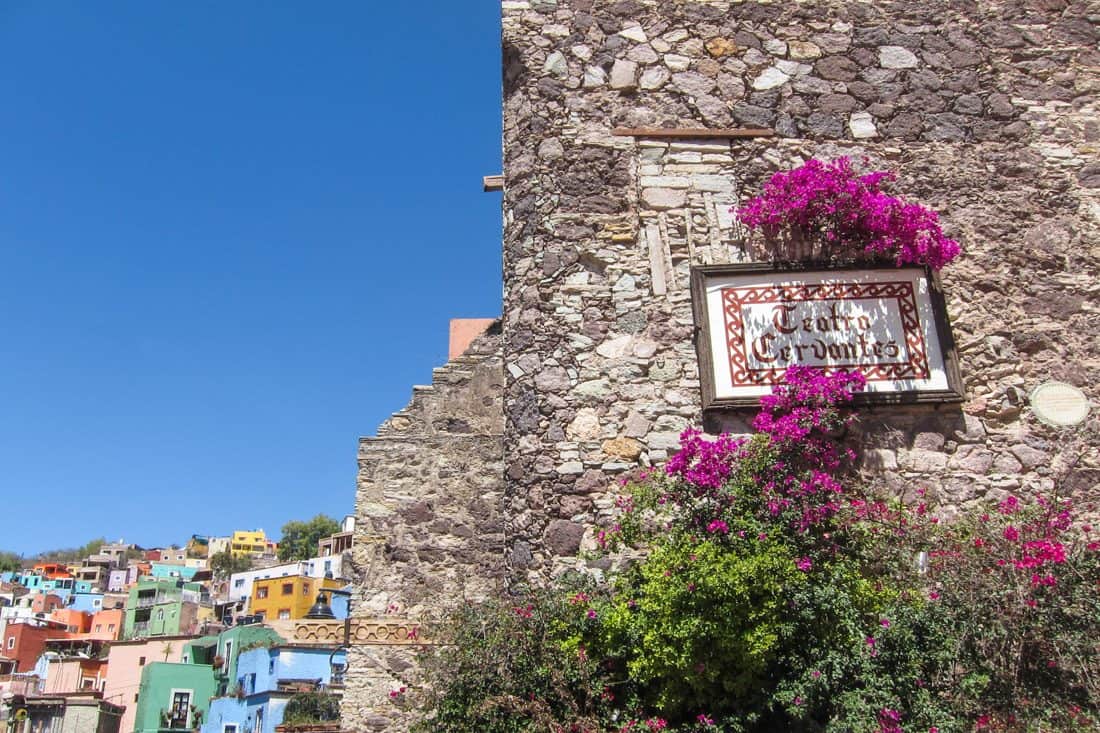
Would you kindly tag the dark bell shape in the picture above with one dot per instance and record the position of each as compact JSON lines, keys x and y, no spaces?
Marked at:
{"x":321,"y":609}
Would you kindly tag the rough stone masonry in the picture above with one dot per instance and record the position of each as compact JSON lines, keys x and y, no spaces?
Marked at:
{"x":987,"y":111}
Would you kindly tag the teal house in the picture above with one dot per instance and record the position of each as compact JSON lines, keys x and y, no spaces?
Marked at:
{"x":169,"y":570}
{"x":173,"y":696}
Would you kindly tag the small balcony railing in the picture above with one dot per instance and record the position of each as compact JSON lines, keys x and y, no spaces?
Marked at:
{"x":174,"y":720}
{"x":147,"y":601}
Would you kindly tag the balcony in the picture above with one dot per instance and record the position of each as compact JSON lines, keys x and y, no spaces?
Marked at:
{"x":141,"y":628}
{"x":147,"y":601}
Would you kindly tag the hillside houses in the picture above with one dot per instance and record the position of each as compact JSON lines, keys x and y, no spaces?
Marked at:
{"x":132,"y":639}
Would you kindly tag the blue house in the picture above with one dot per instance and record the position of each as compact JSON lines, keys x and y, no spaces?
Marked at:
{"x":87,"y":602}
{"x":168,"y":570}
{"x":29,"y":580}
{"x":266,"y":679}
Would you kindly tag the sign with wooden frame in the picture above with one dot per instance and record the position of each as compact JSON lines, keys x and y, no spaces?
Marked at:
{"x":754,"y":321}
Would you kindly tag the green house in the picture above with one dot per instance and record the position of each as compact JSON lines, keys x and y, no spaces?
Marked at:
{"x":176,"y":696}
{"x":173,"y":696}
{"x":163,"y":607}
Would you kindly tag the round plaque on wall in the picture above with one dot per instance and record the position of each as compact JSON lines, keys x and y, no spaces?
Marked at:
{"x":1059,"y":404}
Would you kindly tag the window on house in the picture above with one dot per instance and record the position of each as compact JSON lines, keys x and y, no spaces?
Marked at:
{"x":305,"y":589}
{"x":284,"y":613}
{"x":98,"y":628}
{"x":238,"y":583}
{"x":288,"y":589}
{"x":180,"y":712}
{"x":261,"y":593}
{"x":141,"y":661}
{"x":229,"y":728}
{"x":11,"y":642}
{"x":110,"y":627}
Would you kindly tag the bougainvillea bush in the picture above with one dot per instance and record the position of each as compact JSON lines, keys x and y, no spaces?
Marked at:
{"x":775,"y":593}
{"x":849,"y":214}
{"x":516,"y":664}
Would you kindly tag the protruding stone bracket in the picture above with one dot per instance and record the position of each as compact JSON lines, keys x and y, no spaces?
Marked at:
{"x":693,"y":133}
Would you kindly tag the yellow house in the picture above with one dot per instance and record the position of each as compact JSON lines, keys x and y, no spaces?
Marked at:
{"x":289,"y":597}
{"x":246,"y":542}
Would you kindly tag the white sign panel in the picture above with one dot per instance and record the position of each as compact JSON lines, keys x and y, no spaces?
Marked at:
{"x":886,"y":323}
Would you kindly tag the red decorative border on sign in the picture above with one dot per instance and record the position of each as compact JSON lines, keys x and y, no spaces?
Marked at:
{"x":734,"y":299}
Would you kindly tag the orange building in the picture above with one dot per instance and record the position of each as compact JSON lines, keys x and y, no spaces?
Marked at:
{"x":463,"y":333}
{"x":107,"y":624}
{"x":52,"y":570}
{"x":101,"y":625}
{"x":75,"y":622}
{"x":289,"y":597}
{"x":24,"y":642}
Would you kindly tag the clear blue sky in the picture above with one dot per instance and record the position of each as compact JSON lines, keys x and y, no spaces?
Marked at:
{"x":231,"y":237}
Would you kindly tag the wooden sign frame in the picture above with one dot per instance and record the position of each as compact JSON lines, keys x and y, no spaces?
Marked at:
{"x":892,"y":324}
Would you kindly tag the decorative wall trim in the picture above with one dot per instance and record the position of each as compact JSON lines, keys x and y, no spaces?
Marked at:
{"x":383,"y":631}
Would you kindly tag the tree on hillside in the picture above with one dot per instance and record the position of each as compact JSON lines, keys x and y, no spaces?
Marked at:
{"x":71,"y":554}
{"x":9,"y":561}
{"x":300,"y":539}
{"x":226,"y":563}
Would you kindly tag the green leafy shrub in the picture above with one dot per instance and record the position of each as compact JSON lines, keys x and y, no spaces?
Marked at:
{"x":775,"y":593}
{"x":304,"y":708}
{"x":513,"y":665}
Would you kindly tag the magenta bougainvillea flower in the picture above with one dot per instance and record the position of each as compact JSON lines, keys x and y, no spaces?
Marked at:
{"x":848,"y":214}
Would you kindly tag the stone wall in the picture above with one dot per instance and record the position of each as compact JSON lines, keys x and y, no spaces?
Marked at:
{"x":429,"y":529}
{"x":987,"y":110}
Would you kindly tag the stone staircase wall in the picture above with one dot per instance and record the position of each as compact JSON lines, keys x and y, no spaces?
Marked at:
{"x":430,"y":532}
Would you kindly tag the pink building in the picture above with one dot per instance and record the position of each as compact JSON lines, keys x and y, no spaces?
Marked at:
{"x":73,"y":674}
{"x":125,"y":662}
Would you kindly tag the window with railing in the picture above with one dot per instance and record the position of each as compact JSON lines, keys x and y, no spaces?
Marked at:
{"x":179,"y":714}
